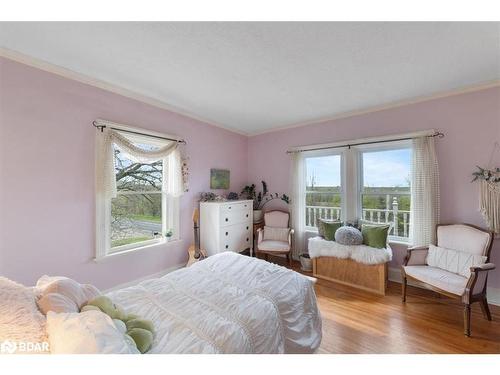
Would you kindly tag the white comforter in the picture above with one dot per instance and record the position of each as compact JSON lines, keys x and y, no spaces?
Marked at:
{"x":228,"y":303}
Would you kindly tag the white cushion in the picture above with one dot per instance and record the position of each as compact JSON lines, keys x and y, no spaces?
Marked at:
{"x":20,"y":320}
{"x":277,"y":234}
{"x":270,"y":245}
{"x":463,"y":238}
{"x":57,"y":303}
{"x":80,"y":294}
{"x":452,"y":260}
{"x":90,"y":332}
{"x":276,"y":219}
{"x":439,"y":278}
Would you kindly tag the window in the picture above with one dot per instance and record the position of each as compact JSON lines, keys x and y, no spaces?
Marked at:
{"x":136,"y":212}
{"x":385,"y":188}
{"x":366,"y":182}
{"x":323,"y":188}
{"x":142,"y":213}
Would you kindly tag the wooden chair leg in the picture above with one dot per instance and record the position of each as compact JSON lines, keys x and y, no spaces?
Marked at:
{"x":485,"y":308}
{"x":467,"y":319}
{"x":289,"y":257}
{"x":403,"y":286}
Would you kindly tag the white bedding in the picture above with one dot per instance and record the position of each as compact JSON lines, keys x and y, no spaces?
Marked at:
{"x":228,"y":303}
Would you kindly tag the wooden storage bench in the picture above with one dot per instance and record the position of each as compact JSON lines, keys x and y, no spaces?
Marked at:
{"x":372,"y":278}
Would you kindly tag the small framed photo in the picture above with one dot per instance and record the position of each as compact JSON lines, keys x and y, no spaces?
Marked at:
{"x":219,"y":179}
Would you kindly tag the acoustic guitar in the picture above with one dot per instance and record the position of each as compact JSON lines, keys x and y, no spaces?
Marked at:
{"x":195,"y":253}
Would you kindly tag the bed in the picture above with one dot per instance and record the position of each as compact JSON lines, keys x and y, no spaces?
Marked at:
{"x":227,"y":303}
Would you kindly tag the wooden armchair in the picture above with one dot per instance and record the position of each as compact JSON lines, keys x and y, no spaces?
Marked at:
{"x":457,"y":267}
{"x":276,"y":237}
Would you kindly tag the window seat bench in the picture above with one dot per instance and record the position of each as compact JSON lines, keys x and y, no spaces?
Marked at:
{"x":359,"y":266}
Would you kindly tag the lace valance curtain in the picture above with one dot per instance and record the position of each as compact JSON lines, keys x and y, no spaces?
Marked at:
{"x":106,"y":178}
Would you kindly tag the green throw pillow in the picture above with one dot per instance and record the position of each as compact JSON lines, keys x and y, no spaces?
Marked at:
{"x":327,"y":228}
{"x":375,"y":235}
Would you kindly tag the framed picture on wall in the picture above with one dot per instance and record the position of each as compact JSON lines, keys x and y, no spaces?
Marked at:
{"x":219,"y":178}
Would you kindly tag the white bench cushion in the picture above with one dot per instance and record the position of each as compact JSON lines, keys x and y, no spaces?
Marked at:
{"x":439,"y":278}
{"x":270,"y":245}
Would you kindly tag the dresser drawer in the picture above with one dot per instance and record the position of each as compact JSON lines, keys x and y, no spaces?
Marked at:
{"x":235,"y":217}
{"x":236,"y":237}
{"x":237,"y":206}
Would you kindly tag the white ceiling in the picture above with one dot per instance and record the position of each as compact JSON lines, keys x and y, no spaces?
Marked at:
{"x":253,"y":77}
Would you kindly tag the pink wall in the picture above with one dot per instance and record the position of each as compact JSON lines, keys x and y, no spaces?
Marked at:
{"x":470,"y":121}
{"x":47,"y":176}
{"x":47,"y":167}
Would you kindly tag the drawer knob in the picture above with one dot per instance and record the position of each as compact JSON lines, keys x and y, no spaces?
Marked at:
{"x":247,"y":239}
{"x":247,"y":228}
{"x":227,"y":233}
{"x":227,"y":246}
{"x":228,"y":219}
{"x":247,"y":215}
{"x":229,"y":207}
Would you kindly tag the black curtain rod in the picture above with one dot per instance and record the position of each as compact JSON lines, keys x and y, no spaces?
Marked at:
{"x":138,"y":133}
{"x":349,"y":145}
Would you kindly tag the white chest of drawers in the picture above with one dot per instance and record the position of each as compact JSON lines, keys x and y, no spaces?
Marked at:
{"x":226,"y":226}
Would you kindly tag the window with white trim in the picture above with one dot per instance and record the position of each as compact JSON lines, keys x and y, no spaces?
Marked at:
{"x":365,"y":182}
{"x":385,"y":195}
{"x":142,"y":213}
{"x":324,"y":194}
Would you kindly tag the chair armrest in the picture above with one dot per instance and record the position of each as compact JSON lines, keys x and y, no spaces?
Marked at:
{"x":477,"y":281}
{"x":418,"y":248}
{"x":483,"y":267}
{"x":260,"y":234}
{"x":416,"y":256}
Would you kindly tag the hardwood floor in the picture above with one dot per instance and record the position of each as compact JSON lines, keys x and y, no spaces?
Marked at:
{"x":355,"y":321}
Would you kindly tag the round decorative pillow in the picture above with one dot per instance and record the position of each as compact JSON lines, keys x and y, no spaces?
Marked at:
{"x":348,"y":236}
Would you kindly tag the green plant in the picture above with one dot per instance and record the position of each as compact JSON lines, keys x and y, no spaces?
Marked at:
{"x":169,"y":233}
{"x":261,"y":198}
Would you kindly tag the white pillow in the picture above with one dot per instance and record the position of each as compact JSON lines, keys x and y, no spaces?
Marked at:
{"x":276,"y":234}
{"x":80,"y":294}
{"x":21,"y":323}
{"x":89,"y":332}
{"x":458,"y":262}
{"x":57,"y":303}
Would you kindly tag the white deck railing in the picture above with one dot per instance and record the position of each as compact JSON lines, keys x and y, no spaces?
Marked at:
{"x":392,"y":216}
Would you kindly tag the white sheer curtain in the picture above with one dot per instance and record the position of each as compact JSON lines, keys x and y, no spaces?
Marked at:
{"x":424,"y":192}
{"x":106,"y":179}
{"x":298,"y":201}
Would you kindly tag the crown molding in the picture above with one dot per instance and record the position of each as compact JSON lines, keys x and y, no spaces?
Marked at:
{"x":390,"y":105}
{"x":82,"y":78}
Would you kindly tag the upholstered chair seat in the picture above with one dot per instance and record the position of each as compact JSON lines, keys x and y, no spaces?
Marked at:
{"x":272,"y":245}
{"x":457,"y":266}
{"x":442,"y":279}
{"x":276,"y":236}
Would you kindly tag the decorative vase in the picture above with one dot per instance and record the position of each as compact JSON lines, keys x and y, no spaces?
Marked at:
{"x":305,"y":263}
{"x":257,"y":216}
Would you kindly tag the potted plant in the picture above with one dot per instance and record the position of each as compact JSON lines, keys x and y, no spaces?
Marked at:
{"x":305,"y":262}
{"x":261,"y":198}
{"x":169,"y":234}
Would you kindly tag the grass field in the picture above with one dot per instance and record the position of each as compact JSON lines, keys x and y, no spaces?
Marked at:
{"x":153,"y":219}
{"x":128,"y":241}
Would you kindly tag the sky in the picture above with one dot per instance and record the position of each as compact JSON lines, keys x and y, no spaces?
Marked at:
{"x":380,"y":169}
